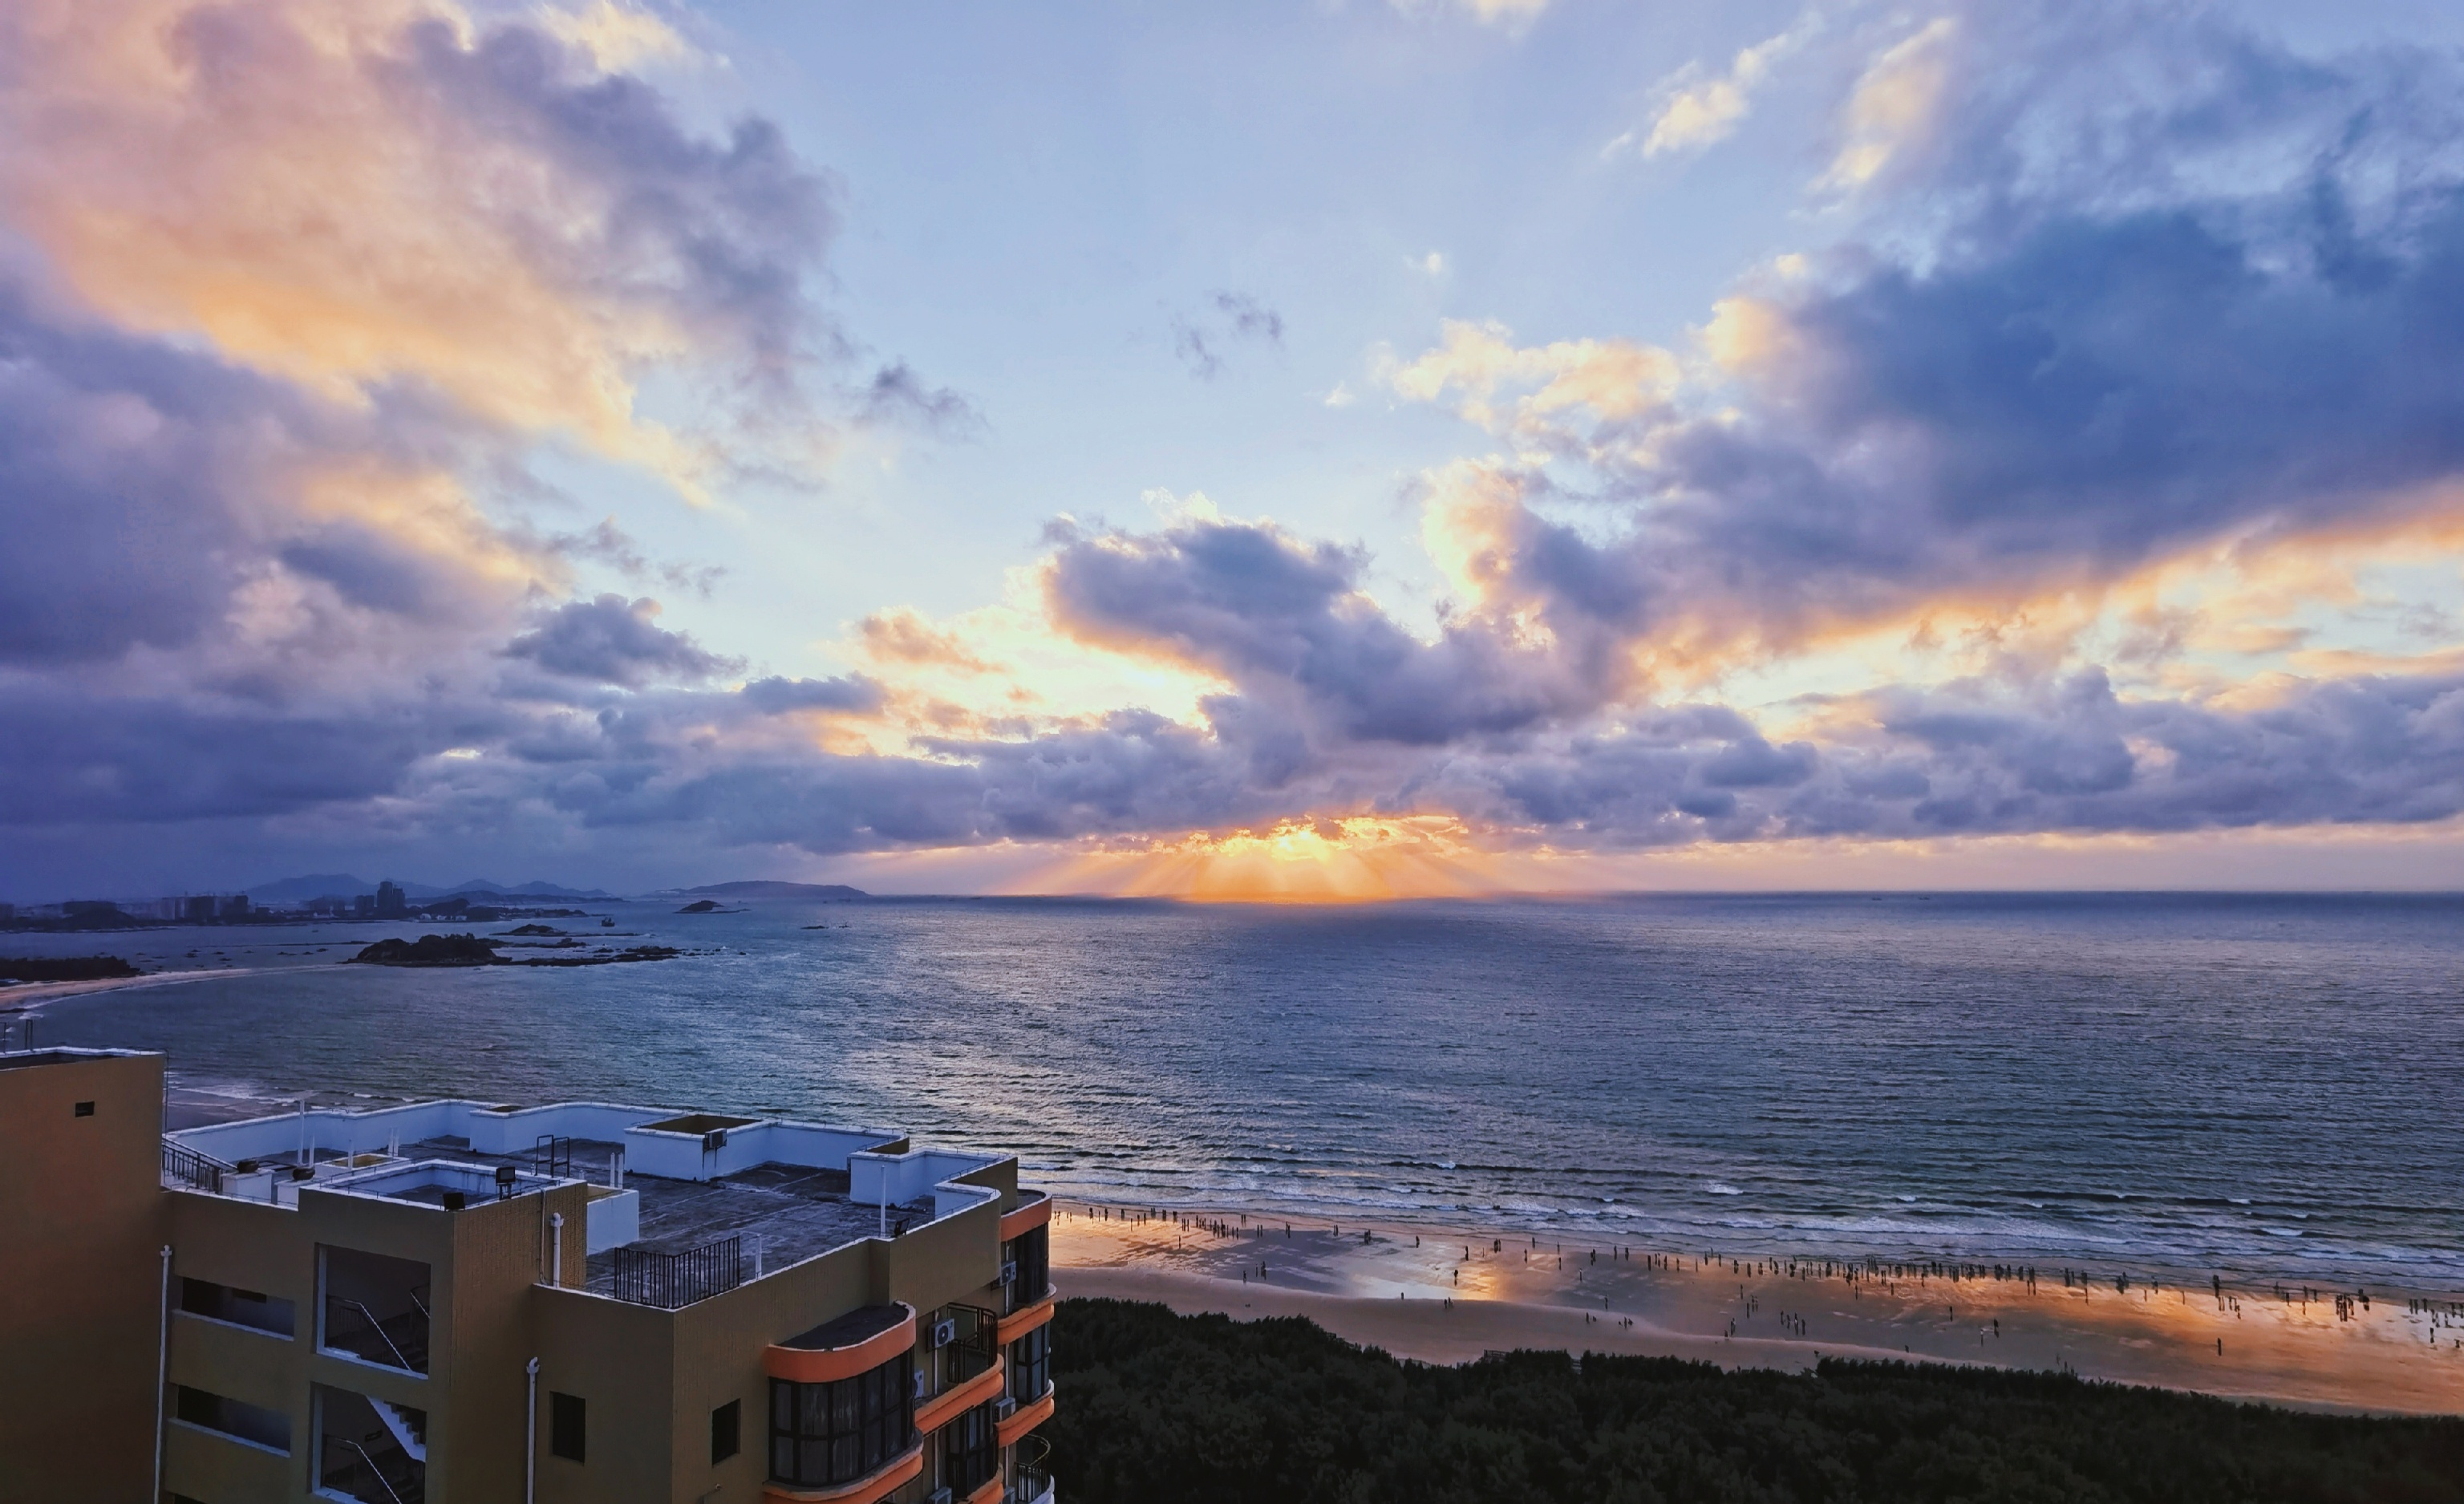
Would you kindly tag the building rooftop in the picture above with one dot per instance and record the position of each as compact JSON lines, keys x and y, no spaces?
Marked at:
{"x":683,"y":1204}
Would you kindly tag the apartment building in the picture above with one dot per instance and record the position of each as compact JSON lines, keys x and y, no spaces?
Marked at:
{"x":454,"y":1301}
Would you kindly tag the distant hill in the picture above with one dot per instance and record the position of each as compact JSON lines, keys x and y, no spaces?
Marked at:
{"x":344,"y":885}
{"x":774,"y":890}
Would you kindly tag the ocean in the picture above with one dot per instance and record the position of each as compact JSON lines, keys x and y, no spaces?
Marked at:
{"x":2261,"y":1086}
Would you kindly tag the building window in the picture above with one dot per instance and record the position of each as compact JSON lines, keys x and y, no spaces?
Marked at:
{"x":215,"y":1412}
{"x":1030,"y":1365}
{"x":726,"y":1432}
{"x":373,"y":1308}
{"x":823,"y":1434}
{"x":1030,"y":1256}
{"x":970,"y":1451}
{"x":567,"y":1420}
{"x":248,"y":1308}
{"x":85,"y":1109}
{"x":369,"y":1449}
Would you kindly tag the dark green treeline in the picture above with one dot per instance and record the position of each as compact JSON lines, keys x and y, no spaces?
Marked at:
{"x":1201,"y":1410}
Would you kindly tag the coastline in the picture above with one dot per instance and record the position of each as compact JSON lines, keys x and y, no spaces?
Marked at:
{"x":1447,"y":1298}
{"x":17,"y":998}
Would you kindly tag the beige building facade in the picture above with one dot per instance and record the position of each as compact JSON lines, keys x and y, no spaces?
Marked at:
{"x":461,"y":1301}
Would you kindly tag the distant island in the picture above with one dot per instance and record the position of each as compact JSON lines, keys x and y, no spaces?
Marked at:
{"x":772,"y":890}
{"x":470,"y":950}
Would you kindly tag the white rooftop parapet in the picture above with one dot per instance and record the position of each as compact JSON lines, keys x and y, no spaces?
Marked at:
{"x":893,"y":1180}
{"x":718,"y":1144}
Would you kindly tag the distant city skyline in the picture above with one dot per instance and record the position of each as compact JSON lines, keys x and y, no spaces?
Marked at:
{"x":1333,"y":449}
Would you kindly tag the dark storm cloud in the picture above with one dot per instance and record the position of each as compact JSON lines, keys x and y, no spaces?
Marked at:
{"x":2064,"y":755}
{"x":611,"y":640}
{"x":1285,"y":619}
{"x":774,"y":696}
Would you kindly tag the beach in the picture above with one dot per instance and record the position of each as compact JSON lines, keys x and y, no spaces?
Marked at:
{"x":1447,"y":1297}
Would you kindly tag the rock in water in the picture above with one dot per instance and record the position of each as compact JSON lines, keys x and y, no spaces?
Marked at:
{"x":431,"y":950}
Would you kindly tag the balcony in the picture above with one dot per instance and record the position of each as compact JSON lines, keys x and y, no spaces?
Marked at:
{"x":1031,"y":1478}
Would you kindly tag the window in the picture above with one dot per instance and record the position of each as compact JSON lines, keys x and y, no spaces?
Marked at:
{"x":1030,"y":1365}
{"x":726,"y":1432}
{"x":369,"y":1449}
{"x":823,"y":1434}
{"x":1031,"y":1251}
{"x":566,"y":1420}
{"x":970,"y":1451}
{"x":85,"y":1109}
{"x":249,"y":1422}
{"x":248,"y":1308}
{"x":374,"y":1308}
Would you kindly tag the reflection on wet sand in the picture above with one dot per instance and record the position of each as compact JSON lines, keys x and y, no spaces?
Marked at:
{"x":1448,"y":1297}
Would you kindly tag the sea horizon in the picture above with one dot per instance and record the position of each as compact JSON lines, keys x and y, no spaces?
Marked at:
{"x":2185,"y":1083}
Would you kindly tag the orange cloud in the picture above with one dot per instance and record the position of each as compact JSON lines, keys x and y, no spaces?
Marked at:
{"x":1352,"y":859}
{"x":298,"y":182}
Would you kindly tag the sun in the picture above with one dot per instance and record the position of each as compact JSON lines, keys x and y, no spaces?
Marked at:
{"x":1321,"y":859}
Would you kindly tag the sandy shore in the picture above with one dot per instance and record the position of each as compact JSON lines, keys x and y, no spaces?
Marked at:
{"x":17,"y":997}
{"x":1421,"y":1293}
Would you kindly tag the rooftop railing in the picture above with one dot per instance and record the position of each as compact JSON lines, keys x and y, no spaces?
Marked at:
{"x":671,"y":1281}
{"x":182,"y":1165}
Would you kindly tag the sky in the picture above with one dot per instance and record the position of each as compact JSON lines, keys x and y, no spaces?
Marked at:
{"x":1340,"y":448}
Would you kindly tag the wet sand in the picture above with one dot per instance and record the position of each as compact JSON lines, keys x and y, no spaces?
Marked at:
{"x":1506,"y":1293}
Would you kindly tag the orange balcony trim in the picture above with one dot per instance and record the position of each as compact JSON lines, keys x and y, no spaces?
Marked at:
{"x":1026,"y":1418}
{"x":1026,"y":1219}
{"x":1018,"y":1323}
{"x":866,"y":1490}
{"x":947,"y":1405}
{"x":989,"y":1492}
{"x":824,"y":1364}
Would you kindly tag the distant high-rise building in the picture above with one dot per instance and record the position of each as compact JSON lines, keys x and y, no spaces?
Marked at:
{"x":391,"y":903}
{"x":235,"y":907}
{"x":365,"y":906}
{"x":198,"y":909}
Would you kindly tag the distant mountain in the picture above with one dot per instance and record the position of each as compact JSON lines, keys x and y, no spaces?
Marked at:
{"x":528,"y":889}
{"x":775,"y":890}
{"x":320,"y":885}
{"x":316,"y":885}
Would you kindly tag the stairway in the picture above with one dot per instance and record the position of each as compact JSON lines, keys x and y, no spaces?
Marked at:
{"x":410,"y":1426}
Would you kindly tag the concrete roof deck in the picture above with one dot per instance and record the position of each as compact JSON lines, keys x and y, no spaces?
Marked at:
{"x":788,"y":1212}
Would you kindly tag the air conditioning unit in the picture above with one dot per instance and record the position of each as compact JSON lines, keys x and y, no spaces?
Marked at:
{"x":1009,"y":1273}
{"x":924,"y":1383}
{"x":944,"y":1333}
{"x":1005,"y":1407}
{"x":940,"y":1496}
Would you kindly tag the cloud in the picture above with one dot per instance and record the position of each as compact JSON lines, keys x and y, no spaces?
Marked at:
{"x":1895,"y":104}
{"x":2050,"y":392}
{"x":2113,"y":291}
{"x":1513,"y":15}
{"x":1286,"y":621}
{"x":618,"y":38}
{"x":1698,"y":110}
{"x":387,"y":194}
{"x":779,"y":695}
{"x":897,"y":394}
{"x":1199,"y":340}
{"x":611,"y":640}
